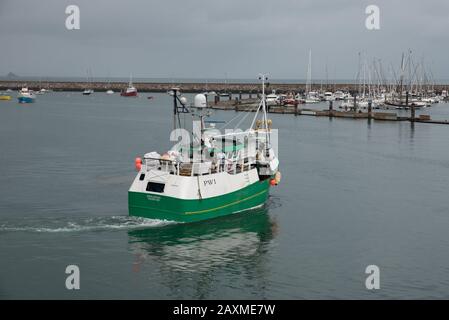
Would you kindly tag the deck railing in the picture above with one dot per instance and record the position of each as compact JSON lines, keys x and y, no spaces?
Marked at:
{"x":195,"y":168}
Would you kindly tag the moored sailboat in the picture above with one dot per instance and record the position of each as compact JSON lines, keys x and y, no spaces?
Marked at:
{"x":309,"y":95}
{"x":130,"y":91}
{"x":88,"y":91}
{"x":109,"y":91}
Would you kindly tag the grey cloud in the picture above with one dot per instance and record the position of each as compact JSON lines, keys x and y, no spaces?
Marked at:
{"x":200,"y":38}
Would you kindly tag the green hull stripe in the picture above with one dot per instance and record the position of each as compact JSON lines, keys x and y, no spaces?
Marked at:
{"x":155,"y":206}
{"x":229,"y":204}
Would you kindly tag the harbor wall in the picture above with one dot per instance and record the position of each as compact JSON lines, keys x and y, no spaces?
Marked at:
{"x":234,"y":88}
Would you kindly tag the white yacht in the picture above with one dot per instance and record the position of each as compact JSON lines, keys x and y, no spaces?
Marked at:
{"x":339,"y":95}
{"x":329,"y":96}
{"x":272,"y":98}
{"x":312,"y":97}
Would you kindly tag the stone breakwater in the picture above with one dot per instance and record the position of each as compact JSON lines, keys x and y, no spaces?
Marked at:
{"x":235,"y":88}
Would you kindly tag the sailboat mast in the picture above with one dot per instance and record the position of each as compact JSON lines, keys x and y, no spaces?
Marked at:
{"x":309,"y":74}
{"x":401,"y":78}
{"x":359,"y":75}
{"x":327,"y":77}
{"x":364,"y":77}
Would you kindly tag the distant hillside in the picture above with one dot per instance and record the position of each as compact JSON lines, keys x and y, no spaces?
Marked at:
{"x":12,"y":76}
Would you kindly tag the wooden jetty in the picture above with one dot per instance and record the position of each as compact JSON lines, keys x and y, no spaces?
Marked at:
{"x":250,"y":105}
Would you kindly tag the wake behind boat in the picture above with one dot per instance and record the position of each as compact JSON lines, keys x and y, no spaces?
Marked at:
{"x":214,"y":175}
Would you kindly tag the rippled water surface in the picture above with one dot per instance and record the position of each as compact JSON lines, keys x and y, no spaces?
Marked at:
{"x":353,"y":193}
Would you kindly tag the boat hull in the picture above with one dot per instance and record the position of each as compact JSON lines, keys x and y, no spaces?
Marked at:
{"x":129,"y":94}
{"x":405,"y":106}
{"x":26,"y":99}
{"x":155,"y":206}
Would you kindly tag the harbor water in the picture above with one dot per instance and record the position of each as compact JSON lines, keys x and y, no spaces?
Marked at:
{"x":354,"y":193}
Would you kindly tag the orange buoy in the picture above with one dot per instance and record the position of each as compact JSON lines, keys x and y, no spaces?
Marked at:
{"x":277,"y":177}
{"x":272,"y":182}
{"x":138,"y":163}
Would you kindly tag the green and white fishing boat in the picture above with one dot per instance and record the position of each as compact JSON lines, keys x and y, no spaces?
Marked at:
{"x":215,"y":174}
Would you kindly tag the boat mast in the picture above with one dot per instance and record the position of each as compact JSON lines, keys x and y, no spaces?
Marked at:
{"x":264,"y":78}
{"x":88,"y":79}
{"x":364,"y":77}
{"x":178,"y":108}
{"x":309,"y":74}
{"x":401,"y":84}
{"x":327,"y":77}
{"x":226,"y":83}
{"x":410,"y":76}
{"x":175,"y":106}
{"x":359,"y":75}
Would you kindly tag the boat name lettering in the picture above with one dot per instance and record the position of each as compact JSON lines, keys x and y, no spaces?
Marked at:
{"x":153,"y":198}
{"x":209,"y":182}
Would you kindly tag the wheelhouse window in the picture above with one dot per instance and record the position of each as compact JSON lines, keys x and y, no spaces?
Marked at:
{"x":155,"y":187}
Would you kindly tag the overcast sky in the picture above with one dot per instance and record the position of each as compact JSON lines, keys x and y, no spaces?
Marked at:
{"x":210,"y":38}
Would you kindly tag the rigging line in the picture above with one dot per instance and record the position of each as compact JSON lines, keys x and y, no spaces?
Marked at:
{"x":251,"y":110}
{"x":229,"y":122}
{"x":245,"y":116}
{"x":257,"y":113}
{"x":238,"y":115}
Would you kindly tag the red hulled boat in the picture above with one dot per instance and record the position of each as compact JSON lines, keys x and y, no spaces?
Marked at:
{"x":131,"y":91}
